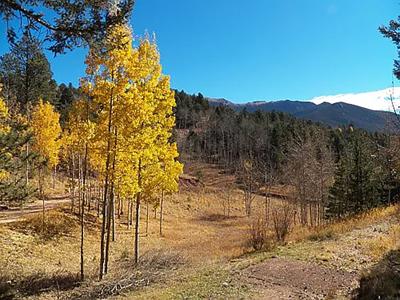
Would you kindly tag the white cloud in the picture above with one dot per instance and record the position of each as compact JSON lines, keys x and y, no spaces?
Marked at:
{"x":377,"y":100}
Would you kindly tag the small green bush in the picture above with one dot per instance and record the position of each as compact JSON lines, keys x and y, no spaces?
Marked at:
{"x":321,"y":235}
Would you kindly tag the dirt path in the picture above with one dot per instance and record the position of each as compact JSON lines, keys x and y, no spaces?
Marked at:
{"x":285,"y":278}
{"x":14,"y":214}
{"x":317,"y":269}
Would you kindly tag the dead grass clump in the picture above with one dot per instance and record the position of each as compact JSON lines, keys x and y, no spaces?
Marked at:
{"x":335,"y":228}
{"x":160,"y":259}
{"x":378,"y":247}
{"x":154,"y":266}
{"x":55,"y":224}
{"x":36,"y":284}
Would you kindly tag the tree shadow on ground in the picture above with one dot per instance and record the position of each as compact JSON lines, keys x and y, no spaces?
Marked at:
{"x":216,"y":217}
{"x":383,"y":280}
{"x":36,"y":284}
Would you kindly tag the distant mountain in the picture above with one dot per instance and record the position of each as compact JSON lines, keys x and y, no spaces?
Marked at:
{"x":331,"y":112}
{"x":340,"y":113}
{"x":376,"y":100}
{"x":286,"y":106}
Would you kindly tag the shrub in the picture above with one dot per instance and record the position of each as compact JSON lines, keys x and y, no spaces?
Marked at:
{"x":55,"y":224}
{"x":258,"y":234}
{"x":321,"y":234}
{"x":282,"y":219}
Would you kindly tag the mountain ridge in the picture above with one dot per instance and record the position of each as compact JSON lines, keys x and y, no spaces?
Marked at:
{"x":329,"y":110}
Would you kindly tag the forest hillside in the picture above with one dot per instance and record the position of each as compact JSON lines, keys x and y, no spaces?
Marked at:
{"x":121,"y":186}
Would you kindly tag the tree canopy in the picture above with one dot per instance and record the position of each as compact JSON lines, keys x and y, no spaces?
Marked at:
{"x":66,"y":23}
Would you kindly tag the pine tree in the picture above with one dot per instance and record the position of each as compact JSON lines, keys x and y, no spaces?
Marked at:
{"x":338,"y":201}
{"x":13,"y":138}
{"x":26,"y":74}
{"x":65,"y":23}
{"x":356,"y":186}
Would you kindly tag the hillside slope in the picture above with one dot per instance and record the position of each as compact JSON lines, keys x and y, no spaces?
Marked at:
{"x":332,"y":113}
{"x":345,"y":114}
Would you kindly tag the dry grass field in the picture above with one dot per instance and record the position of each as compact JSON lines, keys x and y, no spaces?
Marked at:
{"x":203,"y":254}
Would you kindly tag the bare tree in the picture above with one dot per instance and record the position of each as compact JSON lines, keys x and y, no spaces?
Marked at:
{"x":309,"y":171}
{"x":226,"y":197}
{"x":269,"y":179}
{"x":299,"y":175}
{"x":249,"y":177}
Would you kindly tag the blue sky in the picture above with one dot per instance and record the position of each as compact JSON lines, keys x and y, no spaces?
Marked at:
{"x":261,"y":49}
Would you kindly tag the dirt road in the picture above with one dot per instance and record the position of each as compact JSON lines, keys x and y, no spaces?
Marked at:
{"x":14,"y":214}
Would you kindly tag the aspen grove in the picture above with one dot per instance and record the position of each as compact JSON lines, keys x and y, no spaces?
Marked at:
{"x":125,"y":131}
{"x":116,"y":140}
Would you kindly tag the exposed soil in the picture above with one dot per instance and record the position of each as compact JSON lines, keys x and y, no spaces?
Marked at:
{"x":16,"y":213}
{"x":285,"y":278}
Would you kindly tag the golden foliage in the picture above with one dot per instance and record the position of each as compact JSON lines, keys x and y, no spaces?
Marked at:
{"x":46,"y":131}
{"x":133,"y":103}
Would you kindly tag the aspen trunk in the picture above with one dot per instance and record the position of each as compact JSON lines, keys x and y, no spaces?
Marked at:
{"x":41,"y":195}
{"x":54,"y":177}
{"x":109,"y":212}
{"x":122,"y":204}
{"x":137,"y":228}
{"x":138,"y":196}
{"x":102,"y":241}
{"x":161,"y":211}
{"x":73,"y":183}
{"x":113,"y":219}
{"x":129,"y":215}
{"x":84,"y":195}
{"x":89,"y":192}
{"x":27,"y":165}
{"x":98,"y":199}
{"x":119,"y":207}
{"x":147,"y":218}
{"x":79,"y":184}
{"x":113,"y":186}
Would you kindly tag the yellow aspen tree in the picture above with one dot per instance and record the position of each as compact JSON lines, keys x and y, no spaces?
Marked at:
{"x":78,"y":134}
{"x":148,"y":138}
{"x":45,"y":124}
{"x":132,"y":102}
{"x":108,"y":84}
{"x":171,"y":169}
